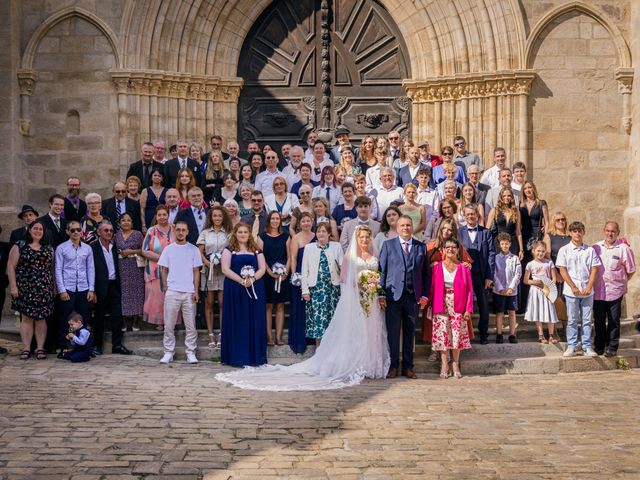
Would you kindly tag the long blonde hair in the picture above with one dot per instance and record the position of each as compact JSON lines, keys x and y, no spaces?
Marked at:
{"x":502,"y":207}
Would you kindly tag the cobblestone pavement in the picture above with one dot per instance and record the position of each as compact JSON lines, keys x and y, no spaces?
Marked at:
{"x":130,"y":418}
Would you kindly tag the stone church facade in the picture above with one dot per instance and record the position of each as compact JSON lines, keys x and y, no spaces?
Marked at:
{"x":85,"y":82}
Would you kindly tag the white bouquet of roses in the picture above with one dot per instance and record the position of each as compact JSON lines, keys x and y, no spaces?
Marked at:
{"x":369,"y":288}
{"x":280,"y":270}
{"x":214,"y":261}
{"x":296,"y":279}
{"x":249,"y":272}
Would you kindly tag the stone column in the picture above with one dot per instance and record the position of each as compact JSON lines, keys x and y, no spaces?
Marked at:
{"x":27,"y":82}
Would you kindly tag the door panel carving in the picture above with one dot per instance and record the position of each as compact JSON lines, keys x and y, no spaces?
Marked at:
{"x":290,"y":74}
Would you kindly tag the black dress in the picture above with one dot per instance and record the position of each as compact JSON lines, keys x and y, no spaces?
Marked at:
{"x":532,"y":224}
{"x":34,"y":279}
{"x":275,"y":251}
{"x":508,"y":226}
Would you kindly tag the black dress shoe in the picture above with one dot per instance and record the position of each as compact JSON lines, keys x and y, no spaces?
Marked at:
{"x":97,"y":351}
{"x":499,"y":338}
{"x":610,"y":353}
{"x":484,"y":340}
{"x":121,"y":350}
{"x":513,"y":339}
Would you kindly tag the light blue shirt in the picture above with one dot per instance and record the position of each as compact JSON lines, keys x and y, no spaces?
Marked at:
{"x":74,"y":268}
{"x":81,"y":337}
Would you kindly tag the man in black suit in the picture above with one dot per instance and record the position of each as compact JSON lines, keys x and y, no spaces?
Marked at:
{"x":216,"y":144}
{"x":27,"y":214}
{"x":107,"y":290}
{"x":4,"y":280}
{"x":74,"y":207}
{"x":173,"y":166}
{"x":479,"y":243}
{"x":115,"y":206}
{"x":143,"y":168}
{"x":473,"y":172}
{"x":54,"y":223}
{"x":195,"y":215}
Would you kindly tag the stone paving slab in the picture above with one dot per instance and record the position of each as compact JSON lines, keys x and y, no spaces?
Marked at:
{"x":130,"y":418}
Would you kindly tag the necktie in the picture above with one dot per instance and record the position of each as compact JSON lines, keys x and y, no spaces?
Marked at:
{"x":328,"y":193}
{"x":405,"y":247}
{"x":118,"y":210}
{"x":183,"y":164}
{"x":255,"y":228}
{"x":145,"y":175}
{"x":56,"y":221}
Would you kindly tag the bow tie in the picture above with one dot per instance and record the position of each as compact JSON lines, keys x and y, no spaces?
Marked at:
{"x":472,"y":229}
{"x":360,"y":222}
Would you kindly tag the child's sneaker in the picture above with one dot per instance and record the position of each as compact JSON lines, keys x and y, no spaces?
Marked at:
{"x":191,"y":357}
{"x":167,"y":358}
{"x":569,"y":352}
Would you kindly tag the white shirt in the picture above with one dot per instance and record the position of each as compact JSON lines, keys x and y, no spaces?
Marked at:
{"x":308,"y":156}
{"x":180,"y":260}
{"x":507,"y":273}
{"x":385,"y":197}
{"x":172,"y":214}
{"x":108,"y":258}
{"x":516,"y":187}
{"x":578,"y":262}
{"x":264,"y":181}
{"x":408,"y":243}
{"x":201,"y":218}
{"x":334,"y":195}
{"x":316,"y":172}
{"x":491,"y":176}
{"x":373,"y":178}
{"x":429,"y":197}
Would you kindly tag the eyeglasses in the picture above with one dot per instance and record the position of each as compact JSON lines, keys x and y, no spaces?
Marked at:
{"x":394,"y":138}
{"x":459,"y":144}
{"x":256,"y":200}
{"x":305,"y":193}
{"x":75,"y":230}
{"x":107,"y":230}
{"x":120,"y":191}
{"x":447,"y":154}
{"x":279,"y":184}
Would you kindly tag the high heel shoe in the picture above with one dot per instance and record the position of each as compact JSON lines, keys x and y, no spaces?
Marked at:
{"x":444,"y":372}
{"x":212,"y":340}
{"x":456,"y":371}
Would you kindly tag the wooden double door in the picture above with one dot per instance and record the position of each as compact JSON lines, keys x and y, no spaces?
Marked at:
{"x":316,"y":64}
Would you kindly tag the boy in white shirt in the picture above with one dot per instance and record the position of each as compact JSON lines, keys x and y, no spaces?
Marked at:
{"x":180,"y":264}
{"x":578,"y":264}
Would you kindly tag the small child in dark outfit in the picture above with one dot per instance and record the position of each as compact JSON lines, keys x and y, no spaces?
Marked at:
{"x":80,"y":339}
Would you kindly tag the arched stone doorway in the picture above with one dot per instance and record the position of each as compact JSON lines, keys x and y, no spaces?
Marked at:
{"x":315,"y":64}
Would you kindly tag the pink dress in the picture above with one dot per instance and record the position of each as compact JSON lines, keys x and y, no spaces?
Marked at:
{"x":155,"y":241}
{"x":450,"y":329}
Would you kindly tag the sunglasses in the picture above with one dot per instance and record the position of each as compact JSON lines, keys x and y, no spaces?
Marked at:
{"x":394,"y":138}
{"x":75,"y":230}
{"x":458,"y":144}
{"x":278,"y":184}
{"x":120,"y":191}
{"x":256,"y":200}
{"x":447,"y":154}
{"x":305,"y":193}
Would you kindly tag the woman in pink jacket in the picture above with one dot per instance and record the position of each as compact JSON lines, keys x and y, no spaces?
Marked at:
{"x":452,"y":302}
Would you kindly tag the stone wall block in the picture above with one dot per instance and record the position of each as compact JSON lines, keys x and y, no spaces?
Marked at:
{"x":63,"y":105}
{"x":39,"y":160}
{"x":79,"y":44}
{"x":84,"y":142}
{"x":39,"y":143}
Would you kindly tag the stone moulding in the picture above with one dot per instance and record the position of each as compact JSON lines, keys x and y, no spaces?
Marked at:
{"x":457,"y":87}
{"x":624,"y":76}
{"x":177,"y":85}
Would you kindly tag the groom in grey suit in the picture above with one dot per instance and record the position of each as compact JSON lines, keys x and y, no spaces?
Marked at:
{"x":405,"y":278}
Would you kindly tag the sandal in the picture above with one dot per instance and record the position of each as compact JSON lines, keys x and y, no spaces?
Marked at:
{"x":553,"y":339}
{"x":542,"y":339}
{"x":279,"y":343}
{"x":212,"y":340}
{"x":444,"y":375}
{"x":456,"y":371}
{"x":41,"y":354}
{"x":25,"y":355}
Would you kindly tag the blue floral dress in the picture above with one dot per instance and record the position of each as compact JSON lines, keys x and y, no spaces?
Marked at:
{"x":324,"y":298}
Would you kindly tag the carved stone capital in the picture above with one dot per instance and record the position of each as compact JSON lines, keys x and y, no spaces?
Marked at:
{"x":624,"y":76}
{"x":24,"y":126}
{"x":466,"y":86}
{"x":177,"y":85}
{"x":27,"y":81}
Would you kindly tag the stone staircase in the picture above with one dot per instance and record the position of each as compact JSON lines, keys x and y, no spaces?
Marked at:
{"x":526,"y":357}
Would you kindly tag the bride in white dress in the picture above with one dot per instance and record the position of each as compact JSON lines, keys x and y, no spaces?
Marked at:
{"x":354,"y":345}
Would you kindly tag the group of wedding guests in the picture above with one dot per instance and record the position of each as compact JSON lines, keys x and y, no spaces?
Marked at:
{"x":271,"y":229}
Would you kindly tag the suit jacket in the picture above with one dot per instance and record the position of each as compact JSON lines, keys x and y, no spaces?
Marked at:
{"x":404,"y":175}
{"x":392,"y":269}
{"x":4,"y":256}
{"x":135,"y":170}
{"x":172,"y":167}
{"x":334,"y":153}
{"x":70,"y":212}
{"x":482,"y":251}
{"x":132,"y":207}
{"x":186,"y":215}
{"x":481,"y":192}
{"x":350,"y":226}
{"x":56,"y":237}
{"x":102,"y":273}
{"x":248,"y":219}
{"x":18,"y":235}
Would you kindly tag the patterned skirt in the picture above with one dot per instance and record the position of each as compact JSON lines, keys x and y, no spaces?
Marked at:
{"x":450,"y":330}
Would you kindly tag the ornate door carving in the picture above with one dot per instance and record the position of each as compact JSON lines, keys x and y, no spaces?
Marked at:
{"x":311,"y":64}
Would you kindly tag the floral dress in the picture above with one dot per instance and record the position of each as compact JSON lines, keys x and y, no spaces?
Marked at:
{"x":155,"y":241}
{"x":131,"y":276}
{"x":324,"y":298}
{"x":450,"y":330}
{"x":34,"y":279}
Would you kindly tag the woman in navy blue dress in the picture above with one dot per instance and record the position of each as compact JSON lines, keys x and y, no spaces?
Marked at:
{"x":297,"y":313}
{"x":274,"y":242}
{"x":151,"y":197}
{"x":243,"y":318}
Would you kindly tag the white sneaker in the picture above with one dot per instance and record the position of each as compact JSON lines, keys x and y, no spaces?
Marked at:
{"x":167,"y":358}
{"x":590,"y":352}
{"x":191,"y":357}
{"x":569,"y":352}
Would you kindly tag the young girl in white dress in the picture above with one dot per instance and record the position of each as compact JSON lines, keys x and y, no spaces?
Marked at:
{"x":539,"y":308}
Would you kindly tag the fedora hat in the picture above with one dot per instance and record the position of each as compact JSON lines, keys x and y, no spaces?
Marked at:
{"x":342,"y":130}
{"x":25,"y":209}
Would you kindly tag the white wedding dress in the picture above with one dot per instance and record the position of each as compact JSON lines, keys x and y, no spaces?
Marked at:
{"x":353,"y":347}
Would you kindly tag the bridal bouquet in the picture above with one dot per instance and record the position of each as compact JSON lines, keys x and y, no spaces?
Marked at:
{"x":370,"y":289}
{"x":249,"y":272}
{"x":296,"y":279}
{"x":214,"y":260}
{"x":280,"y":270}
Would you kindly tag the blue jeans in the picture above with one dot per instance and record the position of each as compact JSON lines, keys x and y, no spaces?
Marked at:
{"x":579,"y":309}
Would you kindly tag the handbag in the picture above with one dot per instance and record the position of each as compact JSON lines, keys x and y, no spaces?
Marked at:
{"x":141,"y":261}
